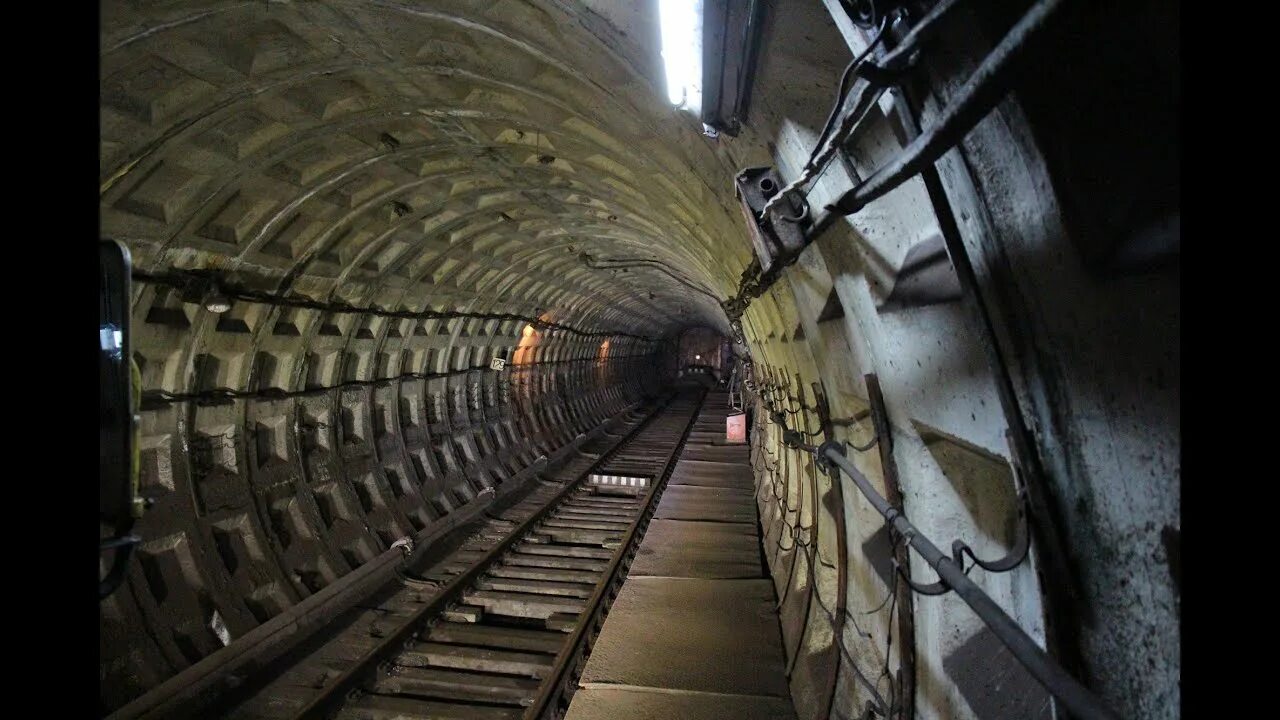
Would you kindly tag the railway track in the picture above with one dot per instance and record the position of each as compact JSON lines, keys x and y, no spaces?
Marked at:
{"x":498,"y":628}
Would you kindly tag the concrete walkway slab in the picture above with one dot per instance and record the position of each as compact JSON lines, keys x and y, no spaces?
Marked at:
{"x":717,"y":453}
{"x":598,"y":702}
{"x":695,"y":502}
{"x":695,"y":634}
{"x":694,"y":631}
{"x":695,"y":549}
{"x":713,"y":474}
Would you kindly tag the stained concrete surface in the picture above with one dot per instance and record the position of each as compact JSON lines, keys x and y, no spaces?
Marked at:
{"x":708,"y":635}
{"x":596,"y":702}
{"x":717,"y":453}
{"x":713,"y":474}
{"x":688,"y":502}
{"x":702,"y":531}
{"x":694,"y":632}
{"x":994,"y":683}
{"x":679,"y":548}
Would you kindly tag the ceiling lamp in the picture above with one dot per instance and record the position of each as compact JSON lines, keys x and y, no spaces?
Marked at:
{"x":681,"y":22}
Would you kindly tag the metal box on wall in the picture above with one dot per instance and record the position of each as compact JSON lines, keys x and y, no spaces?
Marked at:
{"x":772,"y":237}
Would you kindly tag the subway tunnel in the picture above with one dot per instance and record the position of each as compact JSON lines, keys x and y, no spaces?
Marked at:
{"x":400,"y":271}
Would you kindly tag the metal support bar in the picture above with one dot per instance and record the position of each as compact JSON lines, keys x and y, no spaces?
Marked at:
{"x":1075,"y":697}
{"x":980,"y":93}
{"x":842,"y":565}
{"x":984,"y":89}
{"x":893,"y":489}
{"x":811,"y":549}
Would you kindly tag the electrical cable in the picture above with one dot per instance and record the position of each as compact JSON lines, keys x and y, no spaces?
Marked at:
{"x":829,"y":141}
{"x":888,"y":72}
{"x":152,"y":398}
{"x":842,"y":91}
{"x":182,"y":279}
{"x":831,"y":618}
{"x":627,"y":263}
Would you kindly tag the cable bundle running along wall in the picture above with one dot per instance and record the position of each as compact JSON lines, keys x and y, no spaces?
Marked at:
{"x":182,"y":280}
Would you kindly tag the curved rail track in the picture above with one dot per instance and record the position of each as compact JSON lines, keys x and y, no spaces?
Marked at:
{"x":499,"y":627}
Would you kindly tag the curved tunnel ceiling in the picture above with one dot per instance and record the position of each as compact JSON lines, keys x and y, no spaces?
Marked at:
{"x":450,"y":157}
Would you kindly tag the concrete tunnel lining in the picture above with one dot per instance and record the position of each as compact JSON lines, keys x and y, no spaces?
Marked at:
{"x":265,"y":158}
{"x":392,"y":158}
{"x":426,"y":181}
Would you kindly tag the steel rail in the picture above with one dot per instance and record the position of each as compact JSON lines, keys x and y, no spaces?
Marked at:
{"x":331,"y":698}
{"x":552,"y":687}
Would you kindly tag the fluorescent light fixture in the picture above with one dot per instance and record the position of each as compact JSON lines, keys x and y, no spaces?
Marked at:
{"x":111,"y":340}
{"x":681,"y":22}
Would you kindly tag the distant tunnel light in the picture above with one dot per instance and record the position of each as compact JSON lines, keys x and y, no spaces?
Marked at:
{"x":697,"y":357}
{"x":682,"y":52}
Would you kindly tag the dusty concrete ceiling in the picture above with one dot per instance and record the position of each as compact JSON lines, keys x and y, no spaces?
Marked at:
{"x":412,"y":156}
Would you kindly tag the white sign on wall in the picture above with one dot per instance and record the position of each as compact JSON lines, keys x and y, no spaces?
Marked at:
{"x":497,"y":363}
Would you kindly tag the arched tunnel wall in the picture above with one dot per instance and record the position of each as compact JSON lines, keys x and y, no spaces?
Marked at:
{"x":392,"y":193}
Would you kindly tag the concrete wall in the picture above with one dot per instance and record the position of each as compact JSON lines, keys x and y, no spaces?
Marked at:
{"x":375,"y":165}
{"x":331,"y":453}
{"x":1085,"y":348}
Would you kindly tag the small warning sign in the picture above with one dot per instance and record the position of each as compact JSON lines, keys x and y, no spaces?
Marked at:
{"x":735,"y":428}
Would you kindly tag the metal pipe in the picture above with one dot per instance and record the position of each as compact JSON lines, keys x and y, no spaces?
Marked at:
{"x":900,"y":57}
{"x":1076,"y":698}
{"x":977,"y":97}
{"x":980,"y":93}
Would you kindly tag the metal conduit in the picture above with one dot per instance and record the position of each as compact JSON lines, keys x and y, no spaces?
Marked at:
{"x":1076,"y":698}
{"x":981,"y":92}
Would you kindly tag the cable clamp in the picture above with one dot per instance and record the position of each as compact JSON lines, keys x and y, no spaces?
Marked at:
{"x":825,"y":464}
{"x":405,"y":544}
{"x":792,"y":439}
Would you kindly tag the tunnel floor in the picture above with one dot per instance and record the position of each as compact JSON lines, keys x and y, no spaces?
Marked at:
{"x":694,"y":632}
